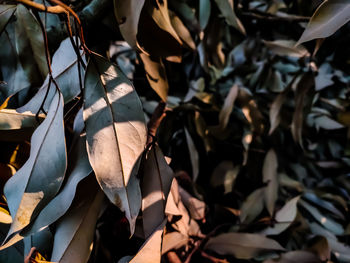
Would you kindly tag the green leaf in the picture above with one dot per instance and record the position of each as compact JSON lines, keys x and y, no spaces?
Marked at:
{"x":75,"y":230}
{"x":242,"y":245}
{"x":155,"y":187}
{"x":116,"y":134}
{"x":327,"y":19}
{"x":270,"y":178}
{"x":6,"y":12}
{"x":39,"y":179}
{"x":30,"y":45}
{"x":230,"y":17}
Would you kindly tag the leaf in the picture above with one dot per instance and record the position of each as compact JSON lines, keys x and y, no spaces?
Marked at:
{"x":326,"y":222}
{"x":252,"y":206}
{"x":176,"y":211}
{"x":230,"y":17}
{"x":75,"y":230}
{"x":284,"y":217}
{"x":155,"y":187}
{"x":225,"y":175}
{"x":182,"y":31}
{"x":116,"y":134}
{"x":173,"y":240}
{"x":306,"y":82}
{"x":340,"y":250}
{"x":242,"y":245}
{"x":327,"y":123}
{"x":270,"y":177}
{"x":38,"y":181}
{"x":227,"y":108}
{"x":128,"y":15}
{"x":30,"y":44}
{"x":286,"y":48}
{"x":296,"y":257}
{"x":78,"y":169}
{"x":327,"y":19}
{"x":13,"y":254}
{"x":321,"y":248}
{"x":194,"y":156}
{"x":158,"y":37}
{"x":204,"y":13}
{"x":151,"y":250}
{"x":276,"y":108}
{"x":194,"y":206}
{"x":156,"y":75}
{"x":12,"y":120}
{"x":65,"y":72}
{"x":6,"y":12}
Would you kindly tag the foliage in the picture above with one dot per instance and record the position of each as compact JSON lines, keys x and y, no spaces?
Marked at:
{"x":174,"y":131}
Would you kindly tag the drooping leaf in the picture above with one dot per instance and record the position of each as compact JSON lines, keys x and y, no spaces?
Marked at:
{"x":227,"y":108}
{"x":116,"y":134}
{"x":305,"y":84}
{"x":252,"y":206}
{"x":75,"y":230}
{"x":284,"y":218}
{"x":173,"y":240}
{"x":6,"y":12}
{"x":270,"y":178}
{"x":156,"y":75}
{"x":12,"y":120}
{"x":78,"y":169}
{"x":204,"y":13}
{"x":194,"y":156}
{"x":327,"y":19}
{"x":242,"y":245}
{"x":230,"y":17}
{"x":30,"y":45}
{"x":182,"y":31}
{"x":65,"y":72}
{"x":225,"y":175}
{"x":296,"y":257}
{"x":157,"y":179}
{"x":286,"y":48}
{"x":326,"y":222}
{"x":38,"y":181}
{"x":194,"y":206}
{"x":128,"y":15}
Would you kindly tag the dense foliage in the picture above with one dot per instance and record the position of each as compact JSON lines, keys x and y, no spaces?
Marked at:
{"x":174,"y":131}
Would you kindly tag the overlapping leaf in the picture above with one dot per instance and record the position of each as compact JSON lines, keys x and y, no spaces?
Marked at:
{"x":116,"y":134}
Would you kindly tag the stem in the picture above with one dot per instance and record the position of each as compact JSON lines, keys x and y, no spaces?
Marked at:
{"x":40,"y":7}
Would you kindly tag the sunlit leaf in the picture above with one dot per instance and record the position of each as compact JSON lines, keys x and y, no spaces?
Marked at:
{"x":328,"y":18}
{"x":116,"y":134}
{"x":38,"y":181}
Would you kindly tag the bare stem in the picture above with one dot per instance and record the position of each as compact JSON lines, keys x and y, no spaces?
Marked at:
{"x":40,"y":7}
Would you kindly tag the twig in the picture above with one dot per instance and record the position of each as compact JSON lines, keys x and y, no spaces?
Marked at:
{"x":40,"y":7}
{"x":156,"y":119}
{"x":173,"y":257}
{"x":212,"y":258}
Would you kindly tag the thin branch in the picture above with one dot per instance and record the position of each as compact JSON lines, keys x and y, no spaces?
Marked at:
{"x":156,"y":119}
{"x":40,"y":7}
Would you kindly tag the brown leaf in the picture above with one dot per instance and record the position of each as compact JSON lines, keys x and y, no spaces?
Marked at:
{"x":156,"y":75}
